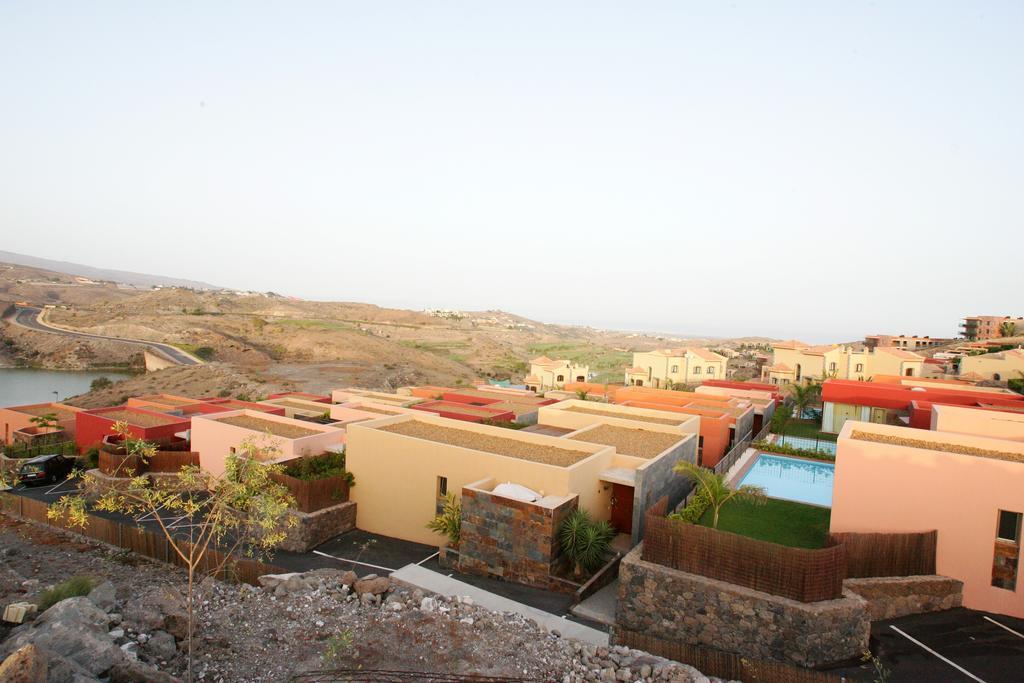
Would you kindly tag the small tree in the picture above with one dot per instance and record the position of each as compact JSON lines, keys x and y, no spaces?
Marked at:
{"x":449,"y":522}
{"x":242,"y":511}
{"x":781,"y":417}
{"x":1008,"y":329}
{"x":584,"y":540}
{"x":46,"y":421}
{"x":713,"y":486}
{"x":582,"y":394}
{"x":803,"y":395}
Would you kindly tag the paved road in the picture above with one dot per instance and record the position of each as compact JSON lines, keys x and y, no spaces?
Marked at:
{"x":29,"y":318}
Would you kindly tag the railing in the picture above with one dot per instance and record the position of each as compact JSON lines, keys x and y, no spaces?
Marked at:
{"x":142,"y":541}
{"x":314,"y":494}
{"x":796,"y":573}
{"x":908,"y":554}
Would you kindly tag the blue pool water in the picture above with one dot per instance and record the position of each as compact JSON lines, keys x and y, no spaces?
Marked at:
{"x":804,"y":481}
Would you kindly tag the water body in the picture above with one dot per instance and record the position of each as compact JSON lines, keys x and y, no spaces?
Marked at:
{"x":19,"y":386}
{"x":805,"y":481}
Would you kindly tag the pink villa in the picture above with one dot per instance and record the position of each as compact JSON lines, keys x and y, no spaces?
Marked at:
{"x":19,"y":419}
{"x":216,"y":436}
{"x":964,"y":478}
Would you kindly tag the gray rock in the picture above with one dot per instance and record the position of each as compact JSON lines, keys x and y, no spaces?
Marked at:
{"x":25,"y":665}
{"x":158,"y":608}
{"x":162,"y":645}
{"x":104,"y":596}
{"x":373,"y":584}
{"x":428,"y":604}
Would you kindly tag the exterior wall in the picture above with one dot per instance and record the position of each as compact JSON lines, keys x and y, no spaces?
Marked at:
{"x":882,"y":362}
{"x":959,"y":495}
{"x":512,"y":539}
{"x":214,"y":440}
{"x":160,"y":401}
{"x":987,"y":326}
{"x":990,"y":423}
{"x":92,"y":425}
{"x":12,"y":420}
{"x":1000,"y":366}
{"x":397,"y":475}
{"x":656,"y":478}
{"x":465,"y":412}
{"x":682,"y":607}
{"x":682,"y":366}
{"x":298,"y":407}
{"x":313,"y":528}
{"x":559,"y":415}
{"x":715,"y":430}
{"x":545,"y":375}
{"x":319,"y":398}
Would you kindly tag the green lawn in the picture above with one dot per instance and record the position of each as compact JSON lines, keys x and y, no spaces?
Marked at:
{"x":779,"y":521}
{"x":809,"y":429}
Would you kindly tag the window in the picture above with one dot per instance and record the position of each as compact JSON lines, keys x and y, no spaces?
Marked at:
{"x":996,"y":376}
{"x":860,"y":367}
{"x":1009,"y":526}
{"x":696,"y":370}
{"x":442,"y":487}
{"x":675,"y":368}
{"x":832,"y":367}
{"x":560,"y":378}
{"x":711,"y":370}
{"x":910,"y":372}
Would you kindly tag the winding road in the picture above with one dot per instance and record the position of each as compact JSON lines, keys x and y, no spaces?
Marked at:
{"x":29,"y":319}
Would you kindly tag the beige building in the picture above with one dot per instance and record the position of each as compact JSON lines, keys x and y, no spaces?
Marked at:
{"x":794,"y":361}
{"x":978,"y":327}
{"x":548,"y":373}
{"x":668,"y":367}
{"x":1000,"y":366}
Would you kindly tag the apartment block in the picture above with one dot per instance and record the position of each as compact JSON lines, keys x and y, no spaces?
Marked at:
{"x":979,"y":327}
{"x":669,"y":367}
{"x":901,"y":341}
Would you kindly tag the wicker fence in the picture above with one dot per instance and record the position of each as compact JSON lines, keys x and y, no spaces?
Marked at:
{"x":795,"y":573}
{"x":314,"y":494}
{"x":119,"y":465}
{"x":722,"y":664}
{"x":868,"y":555}
{"x":142,"y":541}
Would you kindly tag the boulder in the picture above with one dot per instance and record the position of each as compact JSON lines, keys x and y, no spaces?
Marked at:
{"x":162,"y":645}
{"x":74,"y":629}
{"x":26,"y":665}
{"x":372,"y":584}
{"x":104,"y":596}
{"x":158,"y":609}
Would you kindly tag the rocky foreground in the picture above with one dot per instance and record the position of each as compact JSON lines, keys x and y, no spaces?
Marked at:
{"x":133,"y":625}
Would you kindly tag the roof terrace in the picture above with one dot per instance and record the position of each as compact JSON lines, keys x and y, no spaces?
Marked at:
{"x":282,"y":429}
{"x":638,"y":442}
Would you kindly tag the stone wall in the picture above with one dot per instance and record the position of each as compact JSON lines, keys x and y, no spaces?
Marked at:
{"x":313,"y":528}
{"x":677,"y":606}
{"x":510,"y":538}
{"x":889,"y":597}
{"x":657,"y":480}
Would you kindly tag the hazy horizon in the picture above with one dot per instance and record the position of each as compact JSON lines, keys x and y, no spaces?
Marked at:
{"x":820,"y":172}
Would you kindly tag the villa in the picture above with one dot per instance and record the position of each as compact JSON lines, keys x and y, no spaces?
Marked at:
{"x":216,"y":436}
{"x":963,"y":478}
{"x":794,"y":361}
{"x":547,"y":373}
{"x":1000,"y":366}
{"x":668,"y":367}
{"x":18,"y":425}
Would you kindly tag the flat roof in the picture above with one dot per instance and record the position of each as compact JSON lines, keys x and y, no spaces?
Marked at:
{"x":38,"y":410}
{"x":139,"y":418}
{"x":381,"y":410}
{"x":311,"y":406}
{"x":958,"y":449}
{"x":626,"y":416}
{"x":259,"y":424}
{"x":489,"y":443}
{"x":640,"y":443}
{"x":167,"y":399}
{"x":462,"y":408}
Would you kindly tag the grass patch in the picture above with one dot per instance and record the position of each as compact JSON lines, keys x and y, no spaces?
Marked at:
{"x":778,"y":521}
{"x":329,"y":325}
{"x":808,"y":429}
{"x":74,"y":587}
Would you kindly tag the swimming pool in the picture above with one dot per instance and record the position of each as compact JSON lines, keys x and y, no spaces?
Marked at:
{"x":805,"y":481}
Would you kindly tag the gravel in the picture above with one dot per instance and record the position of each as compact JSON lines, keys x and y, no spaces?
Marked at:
{"x":523,"y":449}
{"x":623,"y":416}
{"x":641,"y":443}
{"x":939,"y":446}
{"x":285,"y":431}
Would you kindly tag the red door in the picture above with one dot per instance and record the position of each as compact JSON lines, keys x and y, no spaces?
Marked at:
{"x":622,"y":508}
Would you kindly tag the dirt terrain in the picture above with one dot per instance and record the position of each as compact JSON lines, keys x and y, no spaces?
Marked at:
{"x":286,"y":341}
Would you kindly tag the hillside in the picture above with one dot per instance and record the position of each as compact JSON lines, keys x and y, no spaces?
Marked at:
{"x":103,"y":274}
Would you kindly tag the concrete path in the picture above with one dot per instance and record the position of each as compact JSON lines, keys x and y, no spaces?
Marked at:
{"x":600,"y":607}
{"x":445,"y":585}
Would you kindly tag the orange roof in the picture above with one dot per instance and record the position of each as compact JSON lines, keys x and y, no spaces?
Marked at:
{"x":781,"y":367}
{"x":790,"y":344}
{"x":532,"y":379}
{"x":820,"y":350}
{"x":696,"y":350}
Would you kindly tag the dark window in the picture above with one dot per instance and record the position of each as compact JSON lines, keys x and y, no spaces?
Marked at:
{"x":442,"y":487}
{"x":1009,"y":526}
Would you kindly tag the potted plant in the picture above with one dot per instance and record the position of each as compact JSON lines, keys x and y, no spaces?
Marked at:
{"x":448,"y":523}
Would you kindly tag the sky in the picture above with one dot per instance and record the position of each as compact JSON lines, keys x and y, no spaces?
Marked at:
{"x":811,"y":170}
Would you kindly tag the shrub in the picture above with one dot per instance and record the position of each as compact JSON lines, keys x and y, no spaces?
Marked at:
{"x":320,"y":467}
{"x":695,"y":509}
{"x":584,"y":540}
{"x":74,"y":587}
{"x":99,"y":383}
{"x":789,"y":450}
{"x":92,"y":458}
{"x":205,"y":352}
{"x":449,"y":521}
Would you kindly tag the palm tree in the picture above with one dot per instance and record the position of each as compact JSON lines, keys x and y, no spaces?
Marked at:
{"x":584,"y":540}
{"x":713,"y":486}
{"x":803,"y":395}
{"x":1008,"y":329}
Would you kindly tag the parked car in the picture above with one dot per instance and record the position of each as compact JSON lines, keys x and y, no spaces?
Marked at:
{"x":45,"y":469}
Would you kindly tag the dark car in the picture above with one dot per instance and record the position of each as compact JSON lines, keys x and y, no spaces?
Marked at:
{"x":45,"y":469}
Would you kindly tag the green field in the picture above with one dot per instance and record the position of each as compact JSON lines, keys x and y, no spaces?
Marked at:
{"x":778,"y":521}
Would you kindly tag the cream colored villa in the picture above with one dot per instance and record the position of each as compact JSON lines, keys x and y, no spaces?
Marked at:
{"x":667,"y":367}
{"x":548,"y":373}
{"x":794,"y":361}
{"x":1000,"y":366}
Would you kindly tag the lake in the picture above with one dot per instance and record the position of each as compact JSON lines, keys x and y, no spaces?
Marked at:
{"x":20,"y":386}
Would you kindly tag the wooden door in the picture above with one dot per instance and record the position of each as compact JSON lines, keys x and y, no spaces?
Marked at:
{"x":878,"y":416}
{"x":622,"y":508}
{"x":841,"y":412}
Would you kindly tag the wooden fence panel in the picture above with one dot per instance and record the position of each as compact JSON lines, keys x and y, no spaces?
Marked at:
{"x":888,"y":554}
{"x":171,"y":461}
{"x":796,"y":573}
{"x":315,"y":494}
